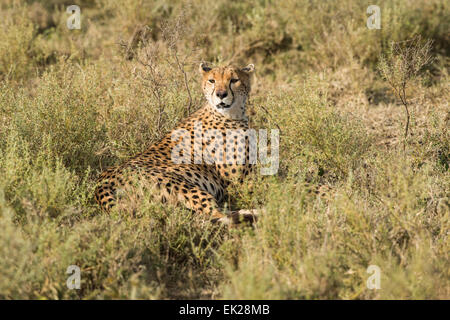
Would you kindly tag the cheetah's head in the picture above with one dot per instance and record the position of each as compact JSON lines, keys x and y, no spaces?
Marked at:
{"x":227,"y":88}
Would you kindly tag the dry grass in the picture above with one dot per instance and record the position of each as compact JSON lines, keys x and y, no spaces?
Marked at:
{"x":346,"y":196}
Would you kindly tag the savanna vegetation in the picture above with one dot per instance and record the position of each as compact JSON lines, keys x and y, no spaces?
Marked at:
{"x":354,"y":188}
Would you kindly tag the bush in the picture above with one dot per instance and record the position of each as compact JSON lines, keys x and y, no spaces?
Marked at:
{"x":73,"y":102}
{"x":16,"y":37}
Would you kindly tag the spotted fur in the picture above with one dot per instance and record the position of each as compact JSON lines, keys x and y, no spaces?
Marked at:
{"x":200,"y":187}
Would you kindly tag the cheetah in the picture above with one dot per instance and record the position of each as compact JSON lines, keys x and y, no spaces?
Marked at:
{"x":213,"y":147}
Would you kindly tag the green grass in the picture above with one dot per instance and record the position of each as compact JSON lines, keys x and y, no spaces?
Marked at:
{"x":346,"y":195}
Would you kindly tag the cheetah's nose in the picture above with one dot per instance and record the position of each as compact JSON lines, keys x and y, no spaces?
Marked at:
{"x":222,"y":94}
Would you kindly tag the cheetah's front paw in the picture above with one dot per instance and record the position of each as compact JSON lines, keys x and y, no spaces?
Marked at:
{"x":234,"y":218}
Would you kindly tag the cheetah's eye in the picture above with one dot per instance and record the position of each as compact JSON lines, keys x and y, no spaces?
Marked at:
{"x":234,"y":80}
{"x":211,"y":80}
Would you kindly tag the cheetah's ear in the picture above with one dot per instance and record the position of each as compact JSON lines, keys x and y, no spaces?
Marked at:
{"x":249,"y":69}
{"x":204,"y":67}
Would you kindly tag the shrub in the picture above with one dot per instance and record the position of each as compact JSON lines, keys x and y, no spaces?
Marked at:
{"x":73,"y":102}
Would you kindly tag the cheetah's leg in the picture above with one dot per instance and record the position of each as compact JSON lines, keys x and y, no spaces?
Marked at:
{"x":105,"y":194}
{"x":201,"y":202}
{"x":240,"y":216}
{"x":172,"y":188}
{"x":169,"y":188}
{"x":204,"y":203}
